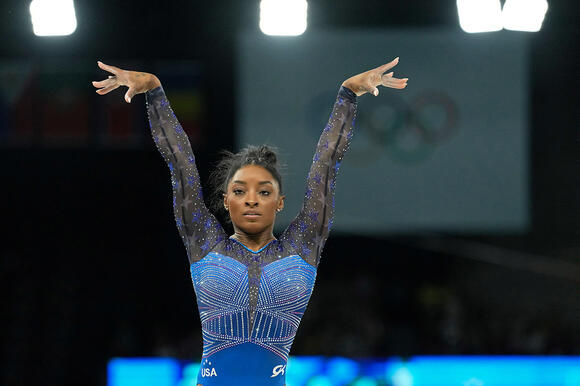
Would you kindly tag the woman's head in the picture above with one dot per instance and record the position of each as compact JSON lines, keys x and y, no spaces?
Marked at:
{"x":248,"y":186}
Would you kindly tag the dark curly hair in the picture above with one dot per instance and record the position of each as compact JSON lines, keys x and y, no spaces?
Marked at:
{"x":263,"y":155}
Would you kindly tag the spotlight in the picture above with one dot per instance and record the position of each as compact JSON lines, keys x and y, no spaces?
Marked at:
{"x":524,"y":15}
{"x":479,"y":15}
{"x":283,"y":17}
{"x":53,"y":17}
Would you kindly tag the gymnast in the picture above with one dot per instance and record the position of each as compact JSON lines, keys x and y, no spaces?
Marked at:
{"x":251,"y":287}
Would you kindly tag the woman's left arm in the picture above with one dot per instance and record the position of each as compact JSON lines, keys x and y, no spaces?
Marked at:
{"x":308,"y":232}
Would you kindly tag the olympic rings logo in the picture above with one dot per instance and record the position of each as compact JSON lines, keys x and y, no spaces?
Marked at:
{"x":406,"y":132}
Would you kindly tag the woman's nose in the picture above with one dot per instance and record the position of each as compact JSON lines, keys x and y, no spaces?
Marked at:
{"x":251,"y":200}
{"x":251,"y":203}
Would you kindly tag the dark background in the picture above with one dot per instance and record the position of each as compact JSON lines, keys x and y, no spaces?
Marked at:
{"x":92,"y":266}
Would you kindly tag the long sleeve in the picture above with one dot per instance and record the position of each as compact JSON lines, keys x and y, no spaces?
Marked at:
{"x":198,"y":228}
{"x":308,"y":232}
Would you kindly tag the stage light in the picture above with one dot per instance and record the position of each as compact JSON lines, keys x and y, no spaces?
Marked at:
{"x":283,"y":17}
{"x":479,"y":15}
{"x":524,"y":15}
{"x":53,"y":17}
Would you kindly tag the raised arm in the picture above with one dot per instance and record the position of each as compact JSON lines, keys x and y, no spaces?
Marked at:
{"x":308,"y":232}
{"x":198,"y":228}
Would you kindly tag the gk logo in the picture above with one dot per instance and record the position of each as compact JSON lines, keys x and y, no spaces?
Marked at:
{"x":277,"y":370}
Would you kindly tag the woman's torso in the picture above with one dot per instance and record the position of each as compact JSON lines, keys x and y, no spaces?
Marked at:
{"x":250,"y":305}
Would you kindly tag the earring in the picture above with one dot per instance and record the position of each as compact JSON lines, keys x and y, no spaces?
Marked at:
{"x":278,"y":210}
{"x":226,"y":207}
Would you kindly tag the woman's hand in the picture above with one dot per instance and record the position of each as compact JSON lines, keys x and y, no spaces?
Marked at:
{"x":368,"y":81}
{"x":138,"y":82}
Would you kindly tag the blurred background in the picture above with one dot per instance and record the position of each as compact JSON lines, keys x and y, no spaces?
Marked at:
{"x":457,"y":229}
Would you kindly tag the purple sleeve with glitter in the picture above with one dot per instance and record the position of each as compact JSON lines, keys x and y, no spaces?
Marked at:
{"x":198,"y":228}
{"x":308,"y":232}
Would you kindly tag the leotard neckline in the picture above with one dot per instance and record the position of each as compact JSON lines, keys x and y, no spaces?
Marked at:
{"x":243,"y":245}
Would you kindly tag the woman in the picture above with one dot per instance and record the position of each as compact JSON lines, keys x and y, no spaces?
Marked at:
{"x":252,"y":288}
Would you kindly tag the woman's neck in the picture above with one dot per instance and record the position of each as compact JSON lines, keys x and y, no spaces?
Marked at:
{"x":253,"y":241}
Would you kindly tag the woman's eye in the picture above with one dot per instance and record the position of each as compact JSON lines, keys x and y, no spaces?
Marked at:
{"x":265,"y":192}
{"x":238,"y":191}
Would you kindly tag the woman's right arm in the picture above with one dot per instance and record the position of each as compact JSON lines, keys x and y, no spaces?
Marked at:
{"x":198,"y":228}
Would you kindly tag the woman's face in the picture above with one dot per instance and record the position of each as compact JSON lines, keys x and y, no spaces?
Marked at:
{"x":252,"y":199}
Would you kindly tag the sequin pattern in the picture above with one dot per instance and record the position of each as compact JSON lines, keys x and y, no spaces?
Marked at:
{"x":312,"y":225}
{"x":222,"y":289}
{"x":244,"y":295}
{"x":198,"y":228}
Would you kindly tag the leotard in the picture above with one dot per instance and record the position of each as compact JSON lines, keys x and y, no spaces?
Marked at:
{"x":250,"y":302}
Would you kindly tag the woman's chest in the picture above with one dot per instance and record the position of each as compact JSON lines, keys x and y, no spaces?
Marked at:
{"x":228,"y":279}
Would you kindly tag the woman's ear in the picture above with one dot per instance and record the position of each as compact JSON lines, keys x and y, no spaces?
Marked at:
{"x":225,"y":201}
{"x":281,"y":203}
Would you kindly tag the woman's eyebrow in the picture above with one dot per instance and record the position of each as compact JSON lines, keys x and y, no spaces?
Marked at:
{"x":259,"y":183}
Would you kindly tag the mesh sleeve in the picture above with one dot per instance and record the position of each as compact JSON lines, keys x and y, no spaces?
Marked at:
{"x":308,"y":232}
{"x":198,"y":228}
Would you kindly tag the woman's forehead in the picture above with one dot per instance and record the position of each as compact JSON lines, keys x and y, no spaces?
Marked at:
{"x":253,"y":174}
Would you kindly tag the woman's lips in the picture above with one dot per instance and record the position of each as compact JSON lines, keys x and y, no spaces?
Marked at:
{"x":251,"y":215}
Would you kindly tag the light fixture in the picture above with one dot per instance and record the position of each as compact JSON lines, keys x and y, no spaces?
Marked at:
{"x":53,"y":17}
{"x":479,"y":15}
{"x":524,"y":15}
{"x":283,"y":17}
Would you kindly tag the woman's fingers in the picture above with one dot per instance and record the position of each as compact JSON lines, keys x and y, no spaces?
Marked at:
{"x":111,"y":83}
{"x":398,"y":85}
{"x":111,"y":69}
{"x":389,"y":81}
{"x":388,"y":66}
{"x":130,"y":94}
{"x":137,"y":82}
{"x":106,"y":90}
{"x":371,"y":88}
{"x":104,"y":83}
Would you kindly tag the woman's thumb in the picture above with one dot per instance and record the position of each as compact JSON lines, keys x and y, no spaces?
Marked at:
{"x":128,"y":96}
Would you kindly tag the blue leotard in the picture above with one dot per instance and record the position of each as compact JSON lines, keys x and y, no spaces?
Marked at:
{"x":250,"y":302}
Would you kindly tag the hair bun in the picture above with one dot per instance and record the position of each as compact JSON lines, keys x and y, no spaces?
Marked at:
{"x":267,"y":154}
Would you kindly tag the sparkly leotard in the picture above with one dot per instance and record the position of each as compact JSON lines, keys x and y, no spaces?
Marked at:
{"x":250,"y":302}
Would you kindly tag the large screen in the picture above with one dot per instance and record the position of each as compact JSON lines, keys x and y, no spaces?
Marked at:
{"x":448,"y":153}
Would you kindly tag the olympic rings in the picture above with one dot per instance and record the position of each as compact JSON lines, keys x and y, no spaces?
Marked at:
{"x":406,"y":132}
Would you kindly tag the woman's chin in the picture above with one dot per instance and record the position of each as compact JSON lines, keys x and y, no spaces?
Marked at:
{"x":252,"y":227}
